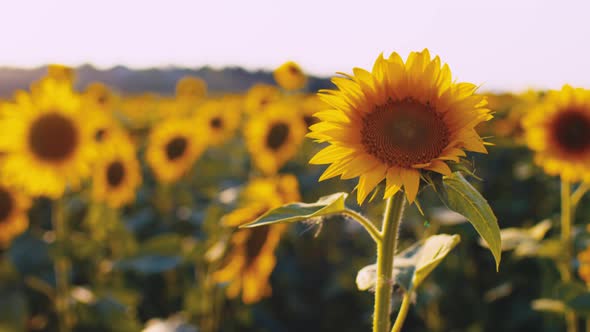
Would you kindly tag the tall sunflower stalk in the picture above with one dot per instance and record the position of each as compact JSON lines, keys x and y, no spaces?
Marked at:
{"x":391,"y":127}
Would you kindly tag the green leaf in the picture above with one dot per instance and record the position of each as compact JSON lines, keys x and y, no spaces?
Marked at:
{"x":548,"y":305}
{"x":460,"y":196}
{"x":434,"y":250}
{"x":525,"y":241}
{"x":414,"y":264}
{"x":295,"y":212}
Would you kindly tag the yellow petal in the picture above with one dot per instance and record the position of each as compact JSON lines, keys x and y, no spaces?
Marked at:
{"x":411,"y":181}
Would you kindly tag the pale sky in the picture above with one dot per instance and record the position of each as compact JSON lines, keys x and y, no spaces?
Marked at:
{"x":498,"y":44}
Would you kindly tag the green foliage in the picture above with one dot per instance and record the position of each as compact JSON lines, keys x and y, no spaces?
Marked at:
{"x":414,"y":264}
{"x":327,"y":205}
{"x":460,"y":196}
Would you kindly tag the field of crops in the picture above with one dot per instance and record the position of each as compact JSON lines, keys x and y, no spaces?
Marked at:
{"x":396,"y":199}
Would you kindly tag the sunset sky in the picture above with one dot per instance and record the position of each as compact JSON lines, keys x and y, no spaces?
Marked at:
{"x":499,"y":44}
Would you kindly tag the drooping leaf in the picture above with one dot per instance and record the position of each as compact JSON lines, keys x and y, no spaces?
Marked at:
{"x":295,"y":212}
{"x":414,"y":264}
{"x":460,"y":196}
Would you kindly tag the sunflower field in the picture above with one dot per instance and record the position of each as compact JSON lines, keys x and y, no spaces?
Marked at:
{"x":396,"y":198}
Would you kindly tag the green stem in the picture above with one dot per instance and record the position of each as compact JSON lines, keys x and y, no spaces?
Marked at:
{"x":579,"y":193}
{"x":403,"y":313}
{"x":367,"y":224}
{"x":62,"y":267}
{"x":566,"y":240}
{"x":385,"y":253}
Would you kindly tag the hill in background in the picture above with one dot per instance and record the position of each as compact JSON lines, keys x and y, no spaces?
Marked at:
{"x":159,"y":80}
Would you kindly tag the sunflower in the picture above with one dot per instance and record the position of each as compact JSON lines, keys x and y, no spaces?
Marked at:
{"x":103,"y":125}
{"x":309,"y":106}
{"x":191,"y":87}
{"x":99,"y":95}
{"x":117,"y":174}
{"x":290,"y":76}
{"x":220,"y":120}
{"x":13,"y":214}
{"x":584,"y":267}
{"x":274,"y":137}
{"x":251,"y":258}
{"x":61,"y":73}
{"x":48,"y":145}
{"x":397,"y":121}
{"x":558,"y":130}
{"x":140,"y":111}
{"x":173,"y":147}
{"x":259,"y":96}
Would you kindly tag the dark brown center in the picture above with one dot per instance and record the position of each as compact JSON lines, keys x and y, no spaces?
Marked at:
{"x":256,"y":242}
{"x":277,"y":135}
{"x":100,"y":134}
{"x":294,"y":70}
{"x":102,"y":99}
{"x":115,"y":174}
{"x":53,"y":137}
{"x":176,"y":147}
{"x":6,"y":205}
{"x":404,"y":133}
{"x":217,"y":123}
{"x":571,"y":131}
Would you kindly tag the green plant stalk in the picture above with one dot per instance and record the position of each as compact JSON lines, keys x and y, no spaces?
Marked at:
{"x":403,"y":313}
{"x":371,"y":229}
{"x":385,"y":253}
{"x":61,"y":267}
{"x":566,"y":240}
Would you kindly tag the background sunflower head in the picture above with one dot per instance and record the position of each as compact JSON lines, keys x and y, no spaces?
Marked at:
{"x":274,"y":137}
{"x":558,"y":130}
{"x":173,"y":147}
{"x":117,"y":174}
{"x":289,"y":76}
{"x":13,"y":214}
{"x":219,"y":119}
{"x":48,"y":144}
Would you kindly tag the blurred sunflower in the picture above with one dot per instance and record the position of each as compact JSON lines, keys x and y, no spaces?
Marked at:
{"x":13,"y":214}
{"x":48,"y":146}
{"x":117,"y":174}
{"x":309,"y":106}
{"x":140,"y":111}
{"x":397,"y":121}
{"x":61,"y":73}
{"x":99,"y":95}
{"x":103,"y":125}
{"x":584,"y":265}
{"x":191,"y":87}
{"x":558,"y":130}
{"x":510,"y":124}
{"x":173,"y":147}
{"x":251,"y":258}
{"x":220,"y":120}
{"x":259,"y":96}
{"x":290,"y":76}
{"x":274,"y":137}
